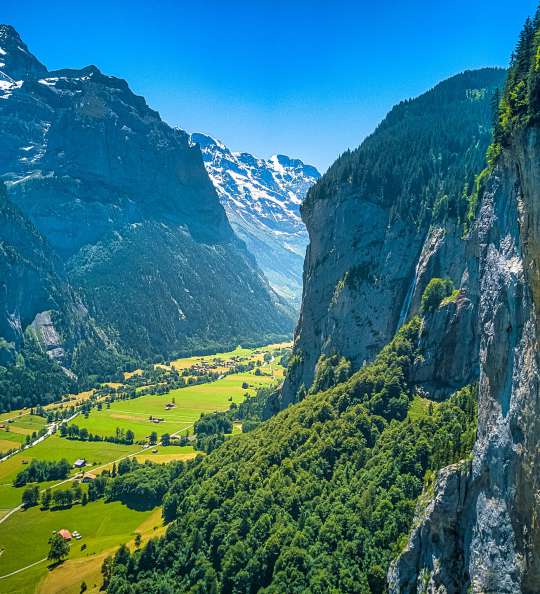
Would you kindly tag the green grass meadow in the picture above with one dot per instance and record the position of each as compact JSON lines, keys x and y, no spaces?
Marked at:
{"x":104,"y":526}
{"x":190,"y":401}
{"x":25,"y":535}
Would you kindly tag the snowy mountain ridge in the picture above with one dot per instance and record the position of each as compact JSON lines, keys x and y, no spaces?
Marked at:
{"x":262,"y":199}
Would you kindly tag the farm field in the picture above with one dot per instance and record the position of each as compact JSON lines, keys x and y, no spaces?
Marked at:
{"x":190,"y":402}
{"x":103,"y":526}
{"x":238,"y":353}
{"x":15,"y":426}
{"x":24,"y":533}
{"x":55,"y":448}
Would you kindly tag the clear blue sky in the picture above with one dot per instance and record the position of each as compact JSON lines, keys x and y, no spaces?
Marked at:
{"x":306,"y":78}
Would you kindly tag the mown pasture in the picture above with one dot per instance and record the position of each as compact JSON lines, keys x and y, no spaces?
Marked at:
{"x":190,"y":402}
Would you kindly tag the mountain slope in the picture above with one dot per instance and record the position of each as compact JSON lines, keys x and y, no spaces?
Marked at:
{"x":315,"y":500}
{"x":262,"y":200}
{"x":377,"y":214}
{"x":321,"y":497}
{"x":105,"y":182}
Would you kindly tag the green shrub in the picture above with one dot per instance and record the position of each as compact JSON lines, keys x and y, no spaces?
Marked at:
{"x":436,"y":290}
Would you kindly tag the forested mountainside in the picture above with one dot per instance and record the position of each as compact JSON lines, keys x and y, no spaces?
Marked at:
{"x":262,"y":200}
{"x":386,"y":479}
{"x":318,"y":499}
{"x":379,"y":212}
{"x":131,"y":223}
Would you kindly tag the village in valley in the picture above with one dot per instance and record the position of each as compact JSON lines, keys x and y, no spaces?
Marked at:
{"x":66,"y":468}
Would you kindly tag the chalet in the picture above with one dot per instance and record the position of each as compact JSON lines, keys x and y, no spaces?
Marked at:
{"x":65,"y":534}
{"x":170,"y":405}
{"x":80,"y":463}
{"x":88,"y":477}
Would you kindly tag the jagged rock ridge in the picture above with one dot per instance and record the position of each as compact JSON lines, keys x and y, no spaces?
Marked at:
{"x":262,"y":200}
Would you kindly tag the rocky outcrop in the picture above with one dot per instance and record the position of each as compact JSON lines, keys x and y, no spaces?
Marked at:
{"x":378,"y":234}
{"x":129,"y":216}
{"x":449,"y":343}
{"x":422,"y":569}
{"x":493,"y":544}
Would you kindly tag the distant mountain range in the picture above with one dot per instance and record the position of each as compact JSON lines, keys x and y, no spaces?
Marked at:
{"x":262,"y":200}
{"x":125,"y":252}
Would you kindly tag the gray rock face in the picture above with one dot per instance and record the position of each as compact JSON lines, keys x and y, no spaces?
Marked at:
{"x":373,"y":250}
{"x":34,"y":293}
{"x":493,"y":544}
{"x":82,"y":156}
{"x":106,"y":184}
{"x":358,"y":269}
{"x":449,"y":342}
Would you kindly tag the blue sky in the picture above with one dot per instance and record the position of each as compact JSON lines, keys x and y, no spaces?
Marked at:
{"x":306,"y":78}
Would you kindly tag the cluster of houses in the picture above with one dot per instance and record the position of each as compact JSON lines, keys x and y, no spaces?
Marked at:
{"x":205,"y":366}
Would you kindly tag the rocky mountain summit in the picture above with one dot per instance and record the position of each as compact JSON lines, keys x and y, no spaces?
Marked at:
{"x":125,"y":206}
{"x":262,"y":200}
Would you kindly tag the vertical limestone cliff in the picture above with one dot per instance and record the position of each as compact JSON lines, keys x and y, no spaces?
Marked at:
{"x":480,"y":533}
{"x":384,"y":220}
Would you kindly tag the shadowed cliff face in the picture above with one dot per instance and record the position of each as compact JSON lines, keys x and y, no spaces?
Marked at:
{"x":130,"y":219}
{"x":481,"y":532}
{"x":387,"y":218}
{"x":84,"y":155}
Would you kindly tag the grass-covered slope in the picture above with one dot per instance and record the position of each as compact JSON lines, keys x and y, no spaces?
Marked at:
{"x":317,"y":499}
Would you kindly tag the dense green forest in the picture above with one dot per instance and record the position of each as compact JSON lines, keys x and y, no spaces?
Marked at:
{"x":318,"y":499}
{"x":519,"y":104}
{"x":422,"y":160}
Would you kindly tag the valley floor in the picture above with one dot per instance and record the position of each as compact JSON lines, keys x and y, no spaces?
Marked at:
{"x":24,"y":533}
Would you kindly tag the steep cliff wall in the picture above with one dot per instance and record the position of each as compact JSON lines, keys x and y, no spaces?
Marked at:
{"x":481,"y":532}
{"x":387,"y":218}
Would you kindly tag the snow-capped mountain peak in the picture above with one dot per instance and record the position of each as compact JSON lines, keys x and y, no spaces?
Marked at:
{"x":16,"y":61}
{"x":262,"y":199}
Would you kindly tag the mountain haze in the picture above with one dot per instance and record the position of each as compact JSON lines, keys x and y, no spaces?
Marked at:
{"x":262,"y":199}
{"x":126,"y":208}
